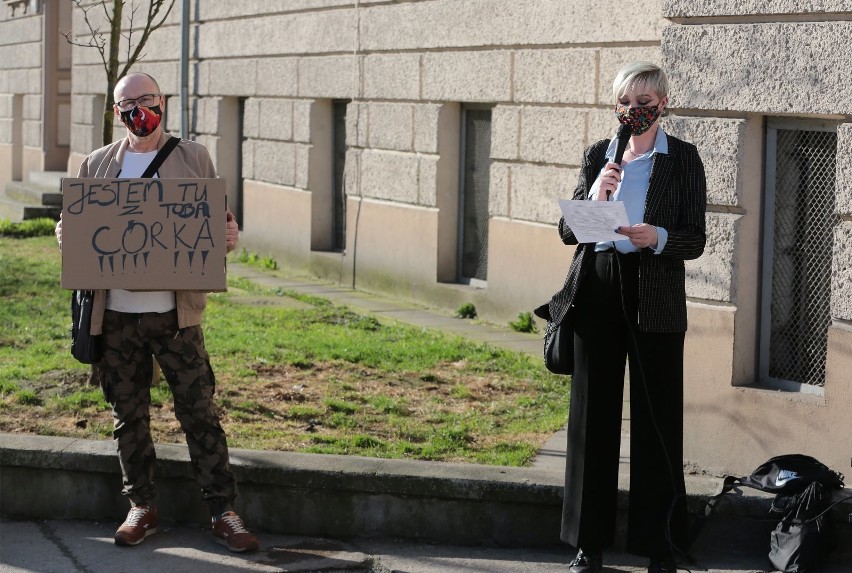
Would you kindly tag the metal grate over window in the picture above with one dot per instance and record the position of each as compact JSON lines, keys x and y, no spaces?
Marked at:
{"x":803,"y":220}
{"x":474,"y":197}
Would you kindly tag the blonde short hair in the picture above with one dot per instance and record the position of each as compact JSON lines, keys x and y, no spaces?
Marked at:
{"x":640,"y":73}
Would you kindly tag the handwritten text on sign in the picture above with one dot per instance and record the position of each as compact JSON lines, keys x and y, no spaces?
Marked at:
{"x":143,"y":234}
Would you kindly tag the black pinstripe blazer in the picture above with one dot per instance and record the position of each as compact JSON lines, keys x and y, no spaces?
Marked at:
{"x":676,"y":201}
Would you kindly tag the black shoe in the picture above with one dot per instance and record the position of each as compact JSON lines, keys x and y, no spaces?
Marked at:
{"x":662,"y":566}
{"x":586,"y":562}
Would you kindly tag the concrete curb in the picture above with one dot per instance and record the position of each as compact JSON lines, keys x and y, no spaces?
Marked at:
{"x":325,"y":495}
{"x":304,"y":494}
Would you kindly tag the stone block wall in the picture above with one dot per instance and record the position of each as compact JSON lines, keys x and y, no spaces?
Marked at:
{"x":543,"y":67}
{"x":735,"y":66}
{"x":20,"y":85}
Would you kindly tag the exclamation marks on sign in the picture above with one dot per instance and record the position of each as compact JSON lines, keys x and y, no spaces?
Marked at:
{"x":190,"y":259}
{"x":111,"y":260}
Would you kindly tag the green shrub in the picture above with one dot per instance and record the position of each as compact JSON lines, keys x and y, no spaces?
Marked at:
{"x":255,"y":260}
{"x":29,"y":228}
{"x":467,"y":310}
{"x":525,"y":323}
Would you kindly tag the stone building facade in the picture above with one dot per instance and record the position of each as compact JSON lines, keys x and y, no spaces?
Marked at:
{"x":35,"y":88}
{"x":418,"y":147}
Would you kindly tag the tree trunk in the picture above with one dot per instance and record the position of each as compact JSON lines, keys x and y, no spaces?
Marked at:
{"x":112,"y":68}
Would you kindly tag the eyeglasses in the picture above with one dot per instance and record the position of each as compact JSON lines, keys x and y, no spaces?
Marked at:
{"x":146,"y":100}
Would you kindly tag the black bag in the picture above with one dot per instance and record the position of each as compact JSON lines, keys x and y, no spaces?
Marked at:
{"x":558,"y":343}
{"x":802,"y":485}
{"x":802,"y":538}
{"x":790,"y":474}
{"x":559,"y":348}
{"x":84,"y":347}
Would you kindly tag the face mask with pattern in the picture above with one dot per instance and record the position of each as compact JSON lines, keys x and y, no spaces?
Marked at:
{"x":142,"y":121}
{"x":640,"y":119}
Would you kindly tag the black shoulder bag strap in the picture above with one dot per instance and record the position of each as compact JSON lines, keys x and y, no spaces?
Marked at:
{"x":160,"y":157}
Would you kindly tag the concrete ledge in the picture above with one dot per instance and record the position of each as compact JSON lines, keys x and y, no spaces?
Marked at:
{"x":305,"y":494}
{"x":329,"y":496}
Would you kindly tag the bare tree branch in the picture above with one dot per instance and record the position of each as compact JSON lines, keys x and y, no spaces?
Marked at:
{"x":108,"y":43}
{"x":133,"y":8}
{"x":106,"y":12}
{"x":153,"y":11}
{"x":94,"y":41}
{"x":97,"y":37}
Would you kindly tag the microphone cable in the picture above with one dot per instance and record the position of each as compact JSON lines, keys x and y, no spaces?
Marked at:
{"x":631,"y":328}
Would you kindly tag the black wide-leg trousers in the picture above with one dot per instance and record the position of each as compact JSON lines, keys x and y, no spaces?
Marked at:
{"x":605,"y":336}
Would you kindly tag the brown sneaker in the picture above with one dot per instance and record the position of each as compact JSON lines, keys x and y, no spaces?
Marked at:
{"x":230,"y":531}
{"x":140,"y":523}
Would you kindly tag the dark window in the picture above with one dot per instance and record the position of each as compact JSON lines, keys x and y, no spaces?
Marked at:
{"x":338,"y":195}
{"x":476,"y":165}
{"x":237,"y":193}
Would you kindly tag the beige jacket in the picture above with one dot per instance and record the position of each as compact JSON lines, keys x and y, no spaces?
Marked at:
{"x":188,"y":159}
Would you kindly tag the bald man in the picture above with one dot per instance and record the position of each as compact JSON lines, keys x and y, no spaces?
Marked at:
{"x":134,"y":325}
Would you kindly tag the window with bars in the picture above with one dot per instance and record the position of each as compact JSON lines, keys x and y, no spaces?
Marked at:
{"x":798,"y":234}
{"x":475,"y":170}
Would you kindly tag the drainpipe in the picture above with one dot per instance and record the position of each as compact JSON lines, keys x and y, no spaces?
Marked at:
{"x":184,"y":70}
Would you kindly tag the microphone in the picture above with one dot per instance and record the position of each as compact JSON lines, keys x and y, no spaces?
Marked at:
{"x":623,"y":136}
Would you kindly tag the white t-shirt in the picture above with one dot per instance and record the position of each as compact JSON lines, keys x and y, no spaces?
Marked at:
{"x":134,"y":165}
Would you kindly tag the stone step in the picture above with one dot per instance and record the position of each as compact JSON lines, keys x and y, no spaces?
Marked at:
{"x":50,"y":179}
{"x":17,"y":211}
{"x":33,"y":194}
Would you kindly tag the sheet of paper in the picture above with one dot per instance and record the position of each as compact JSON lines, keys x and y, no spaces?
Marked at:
{"x":594,"y":221}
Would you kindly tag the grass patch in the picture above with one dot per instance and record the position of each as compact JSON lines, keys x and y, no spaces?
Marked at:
{"x":322,"y":379}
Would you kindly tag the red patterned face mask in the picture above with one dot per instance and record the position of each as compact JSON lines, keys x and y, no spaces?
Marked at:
{"x":640,"y":119}
{"x":142,"y":121}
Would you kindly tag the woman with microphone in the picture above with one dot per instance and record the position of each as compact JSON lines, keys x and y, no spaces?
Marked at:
{"x":626,"y":302}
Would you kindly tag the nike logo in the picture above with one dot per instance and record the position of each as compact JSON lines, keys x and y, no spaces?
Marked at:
{"x":784,"y":476}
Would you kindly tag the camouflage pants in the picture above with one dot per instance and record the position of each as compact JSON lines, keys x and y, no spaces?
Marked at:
{"x":125,"y":372}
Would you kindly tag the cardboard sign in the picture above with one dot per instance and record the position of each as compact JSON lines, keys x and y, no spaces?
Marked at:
{"x":143,"y":234}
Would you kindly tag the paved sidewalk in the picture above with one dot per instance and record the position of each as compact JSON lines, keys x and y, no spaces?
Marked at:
{"x":71,"y":546}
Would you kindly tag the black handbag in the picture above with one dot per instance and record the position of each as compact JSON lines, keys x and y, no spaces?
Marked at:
{"x":84,"y":347}
{"x":559,"y":348}
{"x":558,"y":343}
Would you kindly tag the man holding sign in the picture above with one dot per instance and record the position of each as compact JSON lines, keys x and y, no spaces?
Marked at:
{"x":134,"y":325}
